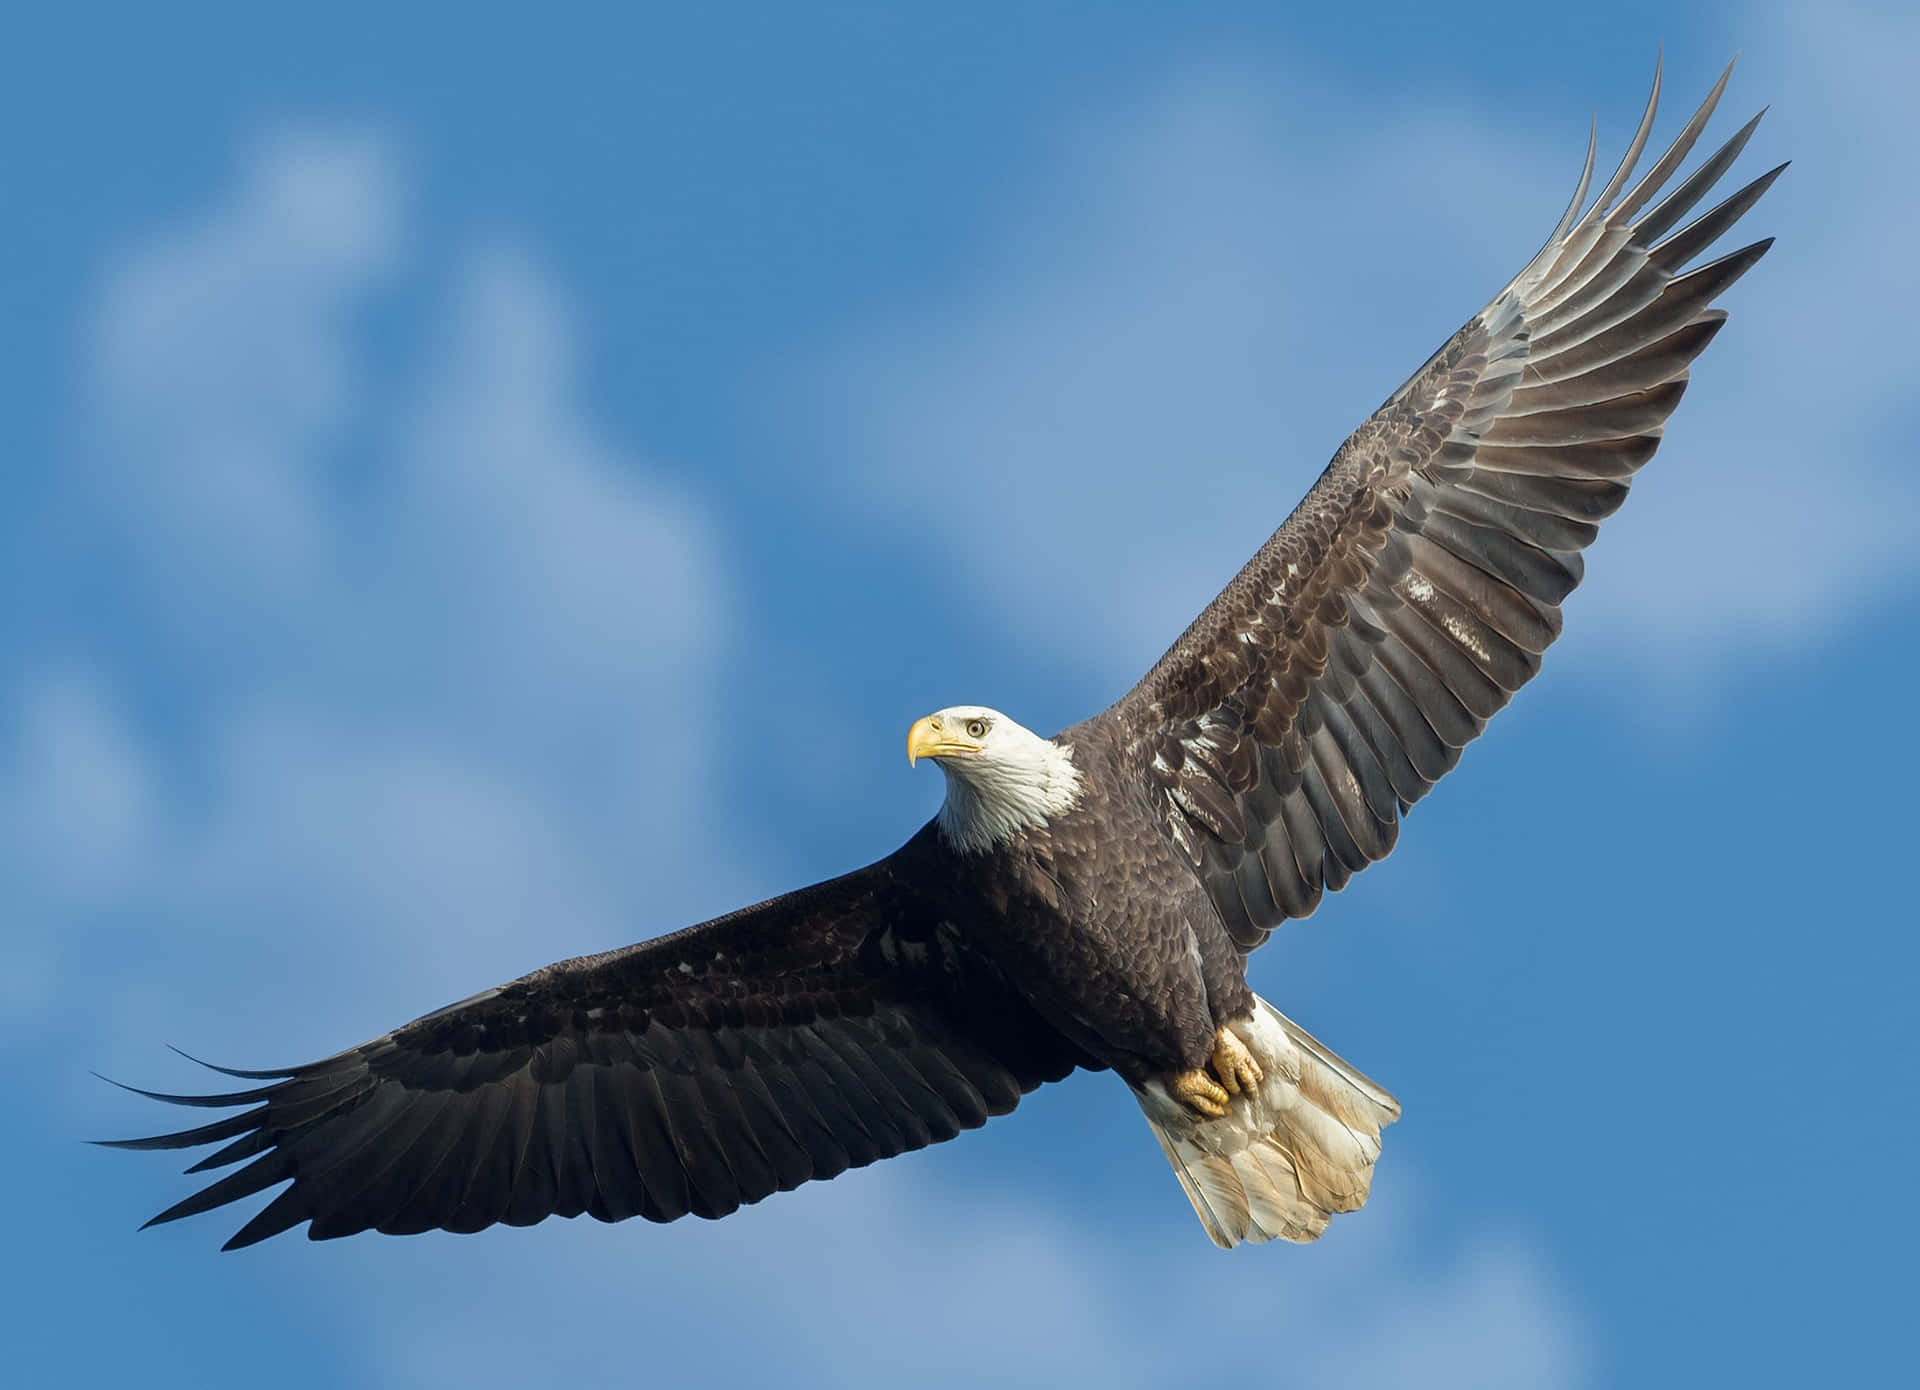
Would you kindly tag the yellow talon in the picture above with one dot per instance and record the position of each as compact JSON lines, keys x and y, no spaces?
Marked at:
{"x":1199,"y":1092}
{"x":1233,"y":1064}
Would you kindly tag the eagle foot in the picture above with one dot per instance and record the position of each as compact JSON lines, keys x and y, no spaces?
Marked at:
{"x":1233,"y":1064}
{"x":1199,"y":1092}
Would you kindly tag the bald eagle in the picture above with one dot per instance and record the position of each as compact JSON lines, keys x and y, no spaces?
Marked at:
{"x":1086,"y":900}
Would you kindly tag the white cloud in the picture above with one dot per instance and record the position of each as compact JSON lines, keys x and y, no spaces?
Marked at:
{"x":84,"y":809}
{"x":864,"y":1281}
{"x":1154,"y":354}
{"x":365,"y":875}
{"x":1778,"y":511}
{"x":433,"y":638}
{"x":222,"y":369}
{"x":1203,"y":295}
{"x":575,"y":606}
{"x":77,"y":824}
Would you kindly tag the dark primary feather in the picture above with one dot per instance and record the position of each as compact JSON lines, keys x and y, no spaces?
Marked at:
{"x":1414,"y":588}
{"x":707,"y":1069}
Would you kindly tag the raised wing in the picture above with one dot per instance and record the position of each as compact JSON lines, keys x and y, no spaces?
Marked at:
{"x":1413,"y":590}
{"x":790,"y":1041}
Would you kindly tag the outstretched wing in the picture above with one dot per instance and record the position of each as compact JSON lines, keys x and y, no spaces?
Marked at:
{"x":1413,"y":590}
{"x":695,"y":1073}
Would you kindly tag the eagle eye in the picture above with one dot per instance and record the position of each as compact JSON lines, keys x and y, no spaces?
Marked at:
{"x":976,"y":729}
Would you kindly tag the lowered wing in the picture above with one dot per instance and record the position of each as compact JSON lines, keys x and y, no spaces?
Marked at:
{"x":698,"y":1072}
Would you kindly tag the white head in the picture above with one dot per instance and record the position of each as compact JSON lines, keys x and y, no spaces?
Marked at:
{"x":1001,"y":778}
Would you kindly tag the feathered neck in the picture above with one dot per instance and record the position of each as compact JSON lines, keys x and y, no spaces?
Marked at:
{"x":991,"y":798}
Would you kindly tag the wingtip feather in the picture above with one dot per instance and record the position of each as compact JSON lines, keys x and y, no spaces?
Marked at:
{"x":275,"y":1074}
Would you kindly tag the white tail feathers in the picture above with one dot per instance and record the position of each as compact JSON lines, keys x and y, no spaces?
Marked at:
{"x":1281,"y":1161}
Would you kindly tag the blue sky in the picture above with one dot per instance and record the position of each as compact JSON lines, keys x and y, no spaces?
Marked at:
{"x":484,"y":490}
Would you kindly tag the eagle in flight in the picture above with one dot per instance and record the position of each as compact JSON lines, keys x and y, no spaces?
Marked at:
{"x":1086,"y":900}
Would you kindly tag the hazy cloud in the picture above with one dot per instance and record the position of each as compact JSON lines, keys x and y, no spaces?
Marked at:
{"x":863,"y":1281}
{"x":222,"y":367}
{"x":77,"y":823}
{"x":1777,"y":512}
{"x":427,"y":673}
{"x":1201,"y":296}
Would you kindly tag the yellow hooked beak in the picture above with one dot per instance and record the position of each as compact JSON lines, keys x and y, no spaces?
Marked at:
{"x":927,"y":739}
